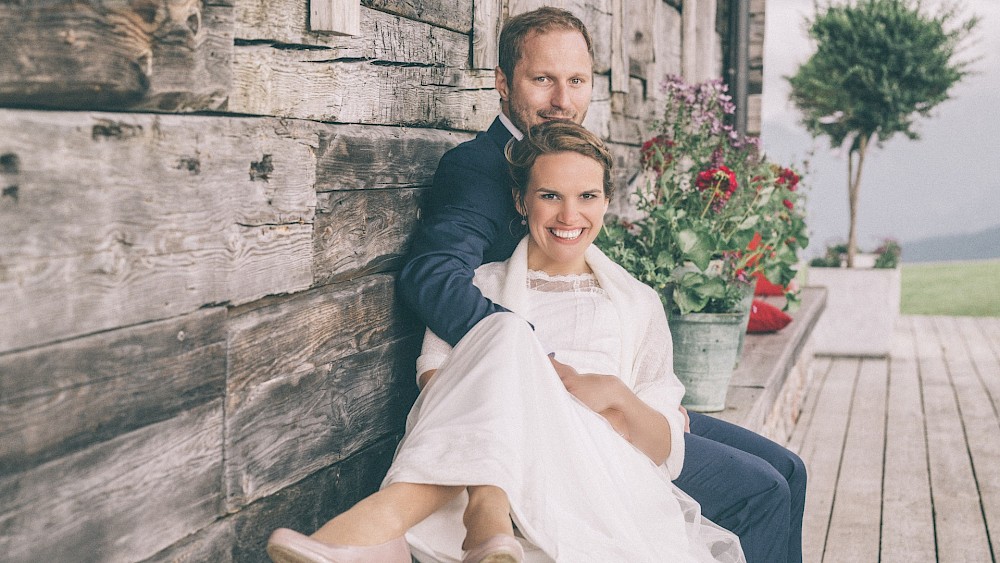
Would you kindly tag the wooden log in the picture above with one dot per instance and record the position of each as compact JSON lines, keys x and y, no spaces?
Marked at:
{"x":383,"y":37}
{"x":363,"y":232}
{"x":619,"y":49}
{"x":122,"y":500}
{"x":168,"y":55}
{"x":57,"y":399}
{"x":486,"y":23}
{"x":456,"y":16}
{"x":308,"y":85}
{"x":294,"y":425}
{"x":304,"y":506}
{"x":340,"y":17}
{"x":120,"y":219}
{"x":353,"y":157}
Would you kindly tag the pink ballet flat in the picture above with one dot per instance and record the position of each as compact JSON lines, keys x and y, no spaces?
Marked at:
{"x":501,"y":548}
{"x":289,"y":546}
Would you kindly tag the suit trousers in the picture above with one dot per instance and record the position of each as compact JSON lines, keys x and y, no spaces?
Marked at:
{"x":747,"y":484}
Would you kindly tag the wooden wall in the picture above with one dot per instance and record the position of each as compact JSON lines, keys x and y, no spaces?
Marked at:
{"x":204,"y":205}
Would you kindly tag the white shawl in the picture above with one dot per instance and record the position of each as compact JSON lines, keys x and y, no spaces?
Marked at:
{"x":647,"y":350}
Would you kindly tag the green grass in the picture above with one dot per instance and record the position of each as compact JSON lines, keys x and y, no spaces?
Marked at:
{"x":952,"y":289}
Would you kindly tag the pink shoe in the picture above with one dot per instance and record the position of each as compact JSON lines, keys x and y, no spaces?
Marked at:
{"x":501,"y":548}
{"x":289,"y":546}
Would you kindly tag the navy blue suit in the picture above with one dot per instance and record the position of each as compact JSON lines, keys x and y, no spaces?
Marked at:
{"x":744,"y":482}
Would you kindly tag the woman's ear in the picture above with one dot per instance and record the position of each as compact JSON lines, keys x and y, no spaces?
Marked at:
{"x":519,"y":203}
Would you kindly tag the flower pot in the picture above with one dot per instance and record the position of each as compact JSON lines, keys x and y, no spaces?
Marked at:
{"x":705,"y":347}
{"x":744,"y":308}
{"x":862,"y":306}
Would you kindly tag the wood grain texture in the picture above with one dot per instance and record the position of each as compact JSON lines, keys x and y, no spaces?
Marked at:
{"x":856,"y":520}
{"x":297,"y":424}
{"x":908,"y":524}
{"x":383,"y":37}
{"x":486,"y":23}
{"x":122,"y":500}
{"x":456,"y":16}
{"x":57,"y":399}
{"x":119,"y":219}
{"x":241,"y":537}
{"x":339,"y":17}
{"x":959,"y":527}
{"x":307,"y":84}
{"x":362,"y":232}
{"x":168,"y":55}
{"x":352,"y":157}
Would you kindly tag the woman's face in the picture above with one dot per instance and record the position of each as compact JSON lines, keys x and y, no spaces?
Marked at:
{"x":565,"y":206}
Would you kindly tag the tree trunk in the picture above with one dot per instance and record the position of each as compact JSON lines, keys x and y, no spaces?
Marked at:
{"x":853,"y":187}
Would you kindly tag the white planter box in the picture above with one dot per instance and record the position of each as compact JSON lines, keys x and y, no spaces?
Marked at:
{"x":861,"y":310}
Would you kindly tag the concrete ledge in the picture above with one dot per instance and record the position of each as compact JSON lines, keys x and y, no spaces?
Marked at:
{"x":767,"y":389}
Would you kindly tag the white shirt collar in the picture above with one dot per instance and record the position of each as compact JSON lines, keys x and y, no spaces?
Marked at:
{"x":511,"y":127}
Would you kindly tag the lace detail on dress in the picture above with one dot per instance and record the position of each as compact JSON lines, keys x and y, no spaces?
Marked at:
{"x":573,"y":283}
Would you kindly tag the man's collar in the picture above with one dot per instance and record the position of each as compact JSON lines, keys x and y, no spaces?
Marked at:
{"x":510,"y":127}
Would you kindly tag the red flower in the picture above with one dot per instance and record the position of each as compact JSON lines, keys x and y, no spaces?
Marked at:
{"x":655,"y":153}
{"x":788,"y":178}
{"x":720,"y":183}
{"x":788,"y":204}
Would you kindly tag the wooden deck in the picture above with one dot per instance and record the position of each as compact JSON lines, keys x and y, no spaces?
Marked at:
{"x":904,"y":452}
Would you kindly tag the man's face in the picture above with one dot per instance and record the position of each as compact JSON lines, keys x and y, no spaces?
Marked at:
{"x":553,"y":80}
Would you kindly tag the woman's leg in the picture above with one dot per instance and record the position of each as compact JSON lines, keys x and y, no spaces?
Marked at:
{"x":487,"y":515}
{"x":385,"y":515}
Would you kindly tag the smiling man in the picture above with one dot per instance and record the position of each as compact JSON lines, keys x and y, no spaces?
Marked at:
{"x":744,"y":482}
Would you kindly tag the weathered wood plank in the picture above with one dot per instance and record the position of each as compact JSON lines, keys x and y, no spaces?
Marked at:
{"x":118,"y":219}
{"x":456,"y":16}
{"x":855,"y":522}
{"x":168,"y":55}
{"x":979,"y":420}
{"x":363,"y":232}
{"x":959,"y":526}
{"x":304,"y":506}
{"x":821,"y":451}
{"x":297,"y":424}
{"x":340,"y":17}
{"x":619,"y":49}
{"x":974,"y":332}
{"x":486,"y":22}
{"x":383,"y":37}
{"x":907,"y":523}
{"x":308,"y":85}
{"x":366,"y":157}
{"x":121,"y":500}
{"x":57,"y":399}
{"x":821,"y":367}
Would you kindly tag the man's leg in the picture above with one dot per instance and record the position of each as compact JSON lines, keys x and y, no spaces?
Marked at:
{"x":747,"y":484}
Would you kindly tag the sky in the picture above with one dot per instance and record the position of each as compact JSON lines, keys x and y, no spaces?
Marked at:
{"x":947,"y":182}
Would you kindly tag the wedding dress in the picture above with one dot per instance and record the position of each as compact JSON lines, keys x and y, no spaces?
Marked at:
{"x":496,"y":413}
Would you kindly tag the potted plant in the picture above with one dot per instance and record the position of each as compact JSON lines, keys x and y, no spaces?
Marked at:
{"x":708,"y":193}
{"x":862,"y":302}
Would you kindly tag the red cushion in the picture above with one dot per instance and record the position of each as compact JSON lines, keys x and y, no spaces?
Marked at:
{"x":765,"y":317}
{"x":766,"y":287}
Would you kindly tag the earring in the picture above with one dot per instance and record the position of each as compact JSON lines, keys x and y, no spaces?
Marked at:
{"x":524,"y":219}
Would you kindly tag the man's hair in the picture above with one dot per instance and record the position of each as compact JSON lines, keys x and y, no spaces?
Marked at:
{"x":553,"y":137}
{"x":542,"y":20}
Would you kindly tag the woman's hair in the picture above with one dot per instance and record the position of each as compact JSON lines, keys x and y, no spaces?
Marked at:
{"x":542,"y":20}
{"x":554,"y":137}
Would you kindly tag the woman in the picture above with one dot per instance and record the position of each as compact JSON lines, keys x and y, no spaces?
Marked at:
{"x":508,"y":429}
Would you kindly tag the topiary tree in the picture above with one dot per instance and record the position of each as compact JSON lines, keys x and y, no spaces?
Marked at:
{"x":879,"y":65}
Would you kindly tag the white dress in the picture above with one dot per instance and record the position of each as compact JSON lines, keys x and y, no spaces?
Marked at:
{"x":496,"y":413}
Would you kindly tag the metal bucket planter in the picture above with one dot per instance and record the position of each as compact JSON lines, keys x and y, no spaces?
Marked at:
{"x":705,"y":346}
{"x":746,"y":303}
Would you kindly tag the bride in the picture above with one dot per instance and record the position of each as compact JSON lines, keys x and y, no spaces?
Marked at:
{"x":550,"y":433}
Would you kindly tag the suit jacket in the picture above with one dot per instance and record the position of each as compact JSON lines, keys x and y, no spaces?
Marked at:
{"x":470,"y":220}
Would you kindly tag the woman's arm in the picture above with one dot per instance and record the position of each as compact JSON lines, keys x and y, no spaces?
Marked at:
{"x":636,"y":421}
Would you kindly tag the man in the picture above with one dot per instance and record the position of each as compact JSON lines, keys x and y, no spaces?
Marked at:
{"x":744,"y":482}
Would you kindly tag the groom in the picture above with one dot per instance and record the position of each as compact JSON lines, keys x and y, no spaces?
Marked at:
{"x":744,"y":482}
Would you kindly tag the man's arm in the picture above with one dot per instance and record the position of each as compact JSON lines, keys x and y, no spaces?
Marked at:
{"x":470,"y":209}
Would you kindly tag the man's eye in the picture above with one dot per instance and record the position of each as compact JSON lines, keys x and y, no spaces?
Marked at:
{"x":548,"y":196}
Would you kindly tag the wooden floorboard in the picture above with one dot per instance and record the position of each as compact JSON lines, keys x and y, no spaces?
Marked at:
{"x":821,"y":451}
{"x":908,"y":519}
{"x":857,"y":508}
{"x":903,"y":453}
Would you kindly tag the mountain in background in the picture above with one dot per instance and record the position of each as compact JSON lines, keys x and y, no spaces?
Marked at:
{"x":981,"y":245}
